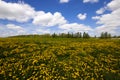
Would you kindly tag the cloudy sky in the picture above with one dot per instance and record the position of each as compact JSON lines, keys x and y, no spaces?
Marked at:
{"x":19,"y":17}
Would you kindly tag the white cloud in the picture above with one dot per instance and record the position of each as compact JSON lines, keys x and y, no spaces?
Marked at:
{"x":91,"y":1}
{"x":110,"y":19}
{"x":110,"y":22}
{"x":75,"y":27}
{"x":82,"y":16}
{"x":24,"y":12}
{"x":64,"y":1}
{"x":114,"y":4}
{"x":96,"y":17}
{"x":103,"y":28}
{"x":11,"y":30}
{"x":42,"y":31}
{"x":49,"y":19}
{"x":100,"y":11}
{"x":15,"y":11}
{"x":14,"y":27}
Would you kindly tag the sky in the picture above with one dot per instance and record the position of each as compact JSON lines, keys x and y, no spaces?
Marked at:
{"x":23,"y":17}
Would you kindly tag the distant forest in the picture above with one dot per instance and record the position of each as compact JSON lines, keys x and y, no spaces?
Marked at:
{"x":103,"y":35}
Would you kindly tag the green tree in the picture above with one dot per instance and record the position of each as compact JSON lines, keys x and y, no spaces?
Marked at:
{"x":54,"y":35}
{"x":86,"y":35}
{"x":80,"y":35}
{"x":105,"y":35}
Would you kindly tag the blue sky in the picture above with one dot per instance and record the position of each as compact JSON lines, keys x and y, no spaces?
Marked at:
{"x":18,"y":17}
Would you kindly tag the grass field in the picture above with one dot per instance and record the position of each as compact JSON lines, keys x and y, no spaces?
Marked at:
{"x":59,"y":59}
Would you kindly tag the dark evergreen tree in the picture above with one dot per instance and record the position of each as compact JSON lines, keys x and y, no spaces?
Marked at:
{"x":109,"y":35}
{"x":68,"y":35}
{"x":105,"y":35}
{"x":54,"y":35}
{"x":80,"y":35}
{"x":95,"y":36}
{"x":86,"y":35}
{"x":72,"y":35}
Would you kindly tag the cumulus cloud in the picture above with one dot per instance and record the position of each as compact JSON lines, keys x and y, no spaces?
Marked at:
{"x":24,"y":12}
{"x":49,"y":19}
{"x":64,"y":1}
{"x":91,"y":1}
{"x":100,"y":11}
{"x":110,"y":21}
{"x":96,"y":17}
{"x":10,"y":30}
{"x":15,"y":11}
{"x":104,"y":28}
{"x":82,"y":16}
{"x":14,"y":27}
{"x":43,"y":31}
{"x":75,"y":27}
{"x":114,"y":4}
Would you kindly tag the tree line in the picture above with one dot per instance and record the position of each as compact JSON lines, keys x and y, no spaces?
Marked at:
{"x":71,"y":35}
{"x":103,"y":35}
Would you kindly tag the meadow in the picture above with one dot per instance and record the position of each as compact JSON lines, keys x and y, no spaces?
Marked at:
{"x":59,"y":59}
